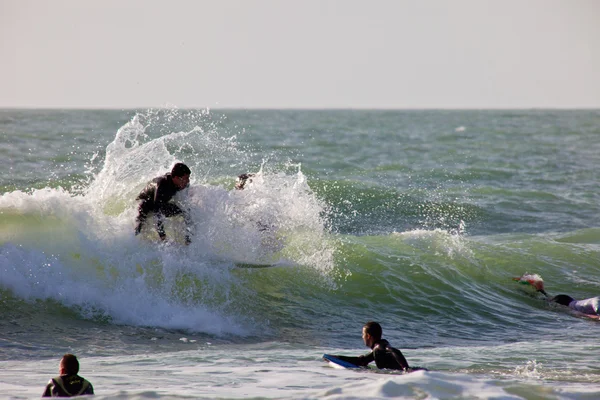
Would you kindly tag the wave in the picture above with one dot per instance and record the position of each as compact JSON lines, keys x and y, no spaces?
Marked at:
{"x":344,"y":252}
{"x":414,"y":281}
{"x":75,"y":246}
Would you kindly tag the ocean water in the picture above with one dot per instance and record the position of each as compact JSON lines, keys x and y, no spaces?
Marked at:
{"x":416,"y":219}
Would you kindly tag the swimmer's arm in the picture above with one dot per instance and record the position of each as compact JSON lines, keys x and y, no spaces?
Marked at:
{"x":48,"y":391}
{"x":361,"y":361}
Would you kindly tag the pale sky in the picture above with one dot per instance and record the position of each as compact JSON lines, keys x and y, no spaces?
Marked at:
{"x":300,"y":53}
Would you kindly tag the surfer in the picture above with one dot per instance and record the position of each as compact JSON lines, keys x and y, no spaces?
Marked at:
{"x":384,"y":355}
{"x":68,"y":383}
{"x":156,"y":196}
{"x":240,"y":184}
{"x":590,"y":307}
{"x":241,"y":180}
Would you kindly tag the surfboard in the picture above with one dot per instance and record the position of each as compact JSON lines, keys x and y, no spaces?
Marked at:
{"x":336,"y":362}
{"x":251,"y":265}
{"x":278,"y":263}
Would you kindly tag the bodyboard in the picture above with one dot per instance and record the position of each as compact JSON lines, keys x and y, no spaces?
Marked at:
{"x":258,"y":264}
{"x":251,"y":265}
{"x":337,"y":362}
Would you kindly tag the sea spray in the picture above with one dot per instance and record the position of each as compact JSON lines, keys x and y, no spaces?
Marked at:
{"x":85,"y":241}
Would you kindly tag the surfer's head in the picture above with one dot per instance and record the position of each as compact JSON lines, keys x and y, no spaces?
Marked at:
{"x":371,"y":333}
{"x":181,"y":175}
{"x":69,"y":365}
{"x":562,"y":299}
{"x":241,"y":180}
{"x":180,"y":169}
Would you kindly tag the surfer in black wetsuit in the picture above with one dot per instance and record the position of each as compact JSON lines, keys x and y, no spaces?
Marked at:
{"x":384,"y":355}
{"x":68,"y":383}
{"x":156,"y":198}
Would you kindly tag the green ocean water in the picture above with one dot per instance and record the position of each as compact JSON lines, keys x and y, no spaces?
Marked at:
{"x":417,"y":219}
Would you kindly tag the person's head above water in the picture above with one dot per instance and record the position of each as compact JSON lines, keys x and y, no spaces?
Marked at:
{"x":241,"y":180}
{"x":562,"y":299}
{"x":180,"y":174}
{"x":69,"y":365}
{"x":180,"y":169}
{"x":371,"y":333}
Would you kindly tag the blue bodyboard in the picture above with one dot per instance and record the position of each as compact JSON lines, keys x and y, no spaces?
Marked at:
{"x":339,"y":362}
{"x":336,"y":362}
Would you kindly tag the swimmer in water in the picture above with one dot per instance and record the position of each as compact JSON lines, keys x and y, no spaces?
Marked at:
{"x":384,"y":355}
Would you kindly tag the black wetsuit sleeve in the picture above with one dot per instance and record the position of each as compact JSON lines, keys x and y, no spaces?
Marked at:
{"x":89,"y":390}
{"x":361,"y":361}
{"x":48,"y":391}
{"x":165,"y":190}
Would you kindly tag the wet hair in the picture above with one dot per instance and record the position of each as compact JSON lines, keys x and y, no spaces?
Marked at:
{"x":70,"y":364}
{"x":562,"y":299}
{"x":180,"y":169}
{"x":373,"y":329}
{"x":241,"y":180}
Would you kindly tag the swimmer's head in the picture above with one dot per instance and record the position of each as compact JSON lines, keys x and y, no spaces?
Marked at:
{"x":562,"y":299}
{"x":371,"y":333}
{"x":241,"y":180}
{"x":69,"y":365}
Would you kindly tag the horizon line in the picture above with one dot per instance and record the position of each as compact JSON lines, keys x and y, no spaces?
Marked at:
{"x":68,"y":108}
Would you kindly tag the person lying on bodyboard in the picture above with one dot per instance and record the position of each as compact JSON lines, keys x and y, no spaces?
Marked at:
{"x":587,"y":307}
{"x":384,"y":355}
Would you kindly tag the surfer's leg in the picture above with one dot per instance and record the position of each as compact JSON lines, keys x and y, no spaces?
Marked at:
{"x":160,"y":228}
{"x":143,"y":210}
{"x":188,"y":227}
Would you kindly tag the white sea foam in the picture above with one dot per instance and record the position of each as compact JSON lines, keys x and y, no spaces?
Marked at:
{"x":234,"y":372}
{"x":79,"y":249}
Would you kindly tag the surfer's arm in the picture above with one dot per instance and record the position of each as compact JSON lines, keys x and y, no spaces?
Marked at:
{"x":162,"y":207}
{"x":169,"y":210}
{"x":48,"y":390}
{"x":361,"y":361}
{"x":89,"y":390}
{"x":162,"y":194}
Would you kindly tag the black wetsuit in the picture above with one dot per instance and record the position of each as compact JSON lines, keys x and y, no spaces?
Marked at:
{"x":67,"y":386}
{"x":384,"y":355}
{"x":156,"y":198}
